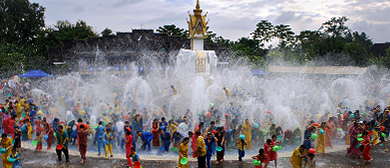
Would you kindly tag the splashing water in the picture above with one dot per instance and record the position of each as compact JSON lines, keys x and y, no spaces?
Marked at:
{"x":171,"y":90}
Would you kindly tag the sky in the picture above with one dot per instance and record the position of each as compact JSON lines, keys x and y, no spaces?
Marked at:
{"x":231,"y":19}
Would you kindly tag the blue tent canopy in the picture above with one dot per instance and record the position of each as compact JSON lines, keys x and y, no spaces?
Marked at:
{"x":35,"y":74}
{"x":258,"y":72}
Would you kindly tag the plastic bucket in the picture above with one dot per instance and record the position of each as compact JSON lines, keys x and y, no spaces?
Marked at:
{"x":59,"y":147}
{"x":184,"y":161}
{"x":218,"y":148}
{"x":34,"y":143}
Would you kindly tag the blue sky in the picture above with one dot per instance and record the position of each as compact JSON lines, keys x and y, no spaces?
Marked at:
{"x":228,"y":18}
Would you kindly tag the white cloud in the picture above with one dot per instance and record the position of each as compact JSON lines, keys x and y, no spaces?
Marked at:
{"x":229,"y":18}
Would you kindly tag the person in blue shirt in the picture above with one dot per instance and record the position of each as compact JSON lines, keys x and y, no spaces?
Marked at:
{"x":117,"y":133}
{"x":230,"y":136}
{"x":307,"y":136}
{"x":210,"y":143}
{"x":15,"y":155}
{"x":163,"y":123}
{"x":55,"y":123}
{"x":166,"y":137}
{"x":178,"y":137}
{"x":100,"y":135}
{"x":146,"y":137}
{"x":73,"y":135}
{"x":135,"y":157}
{"x":24,"y":131}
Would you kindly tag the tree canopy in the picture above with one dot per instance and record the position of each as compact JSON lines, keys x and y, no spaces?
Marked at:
{"x":21,"y":21}
{"x":173,"y":30}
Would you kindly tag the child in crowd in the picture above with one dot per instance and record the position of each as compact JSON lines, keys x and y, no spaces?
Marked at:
{"x":262,"y":157}
{"x":109,"y":141}
{"x":268,"y":146}
{"x":273,"y":155}
{"x":136,"y":159}
{"x":241,"y":142}
{"x":367,"y":147}
{"x":39,"y":141}
{"x":15,"y":155}
{"x":17,"y":137}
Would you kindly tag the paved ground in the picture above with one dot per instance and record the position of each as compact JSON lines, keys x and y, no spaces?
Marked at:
{"x":336,"y":158}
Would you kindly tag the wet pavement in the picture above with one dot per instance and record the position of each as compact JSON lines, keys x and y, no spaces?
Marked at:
{"x":44,"y":159}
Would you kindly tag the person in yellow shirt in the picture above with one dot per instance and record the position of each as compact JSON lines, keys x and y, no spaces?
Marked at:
{"x":297,"y":156}
{"x":172,"y":127}
{"x":6,"y":143}
{"x":174,"y":90}
{"x":200,"y":150}
{"x":108,"y":140}
{"x":320,"y":141}
{"x":227,"y":92}
{"x":183,"y":152}
{"x":18,"y":109}
{"x":22,"y":100}
{"x":26,"y":106}
{"x":105,"y":118}
{"x":29,"y":129}
{"x":81,"y":113}
{"x":247,"y":131}
{"x":116,"y":109}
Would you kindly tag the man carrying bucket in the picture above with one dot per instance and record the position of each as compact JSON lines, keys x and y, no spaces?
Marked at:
{"x":62,"y":143}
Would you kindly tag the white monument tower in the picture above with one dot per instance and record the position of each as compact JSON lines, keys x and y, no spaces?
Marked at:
{"x":197,"y":59}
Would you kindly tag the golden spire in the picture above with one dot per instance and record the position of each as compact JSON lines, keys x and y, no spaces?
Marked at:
{"x":197,"y":10}
{"x":197,"y":24}
{"x":197,"y":4}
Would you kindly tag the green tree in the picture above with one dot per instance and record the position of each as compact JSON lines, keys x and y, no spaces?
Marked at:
{"x":249,"y":48}
{"x":222,"y":42}
{"x":335,"y":27}
{"x":15,"y":58}
{"x":173,"y":30}
{"x":388,"y":52}
{"x":64,"y":31}
{"x":68,"y":32}
{"x":106,"y":32}
{"x":20,"y":21}
{"x":264,"y":32}
{"x":210,"y":36}
{"x":285,"y":35}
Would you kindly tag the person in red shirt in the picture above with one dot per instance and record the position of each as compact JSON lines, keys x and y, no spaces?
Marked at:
{"x":79,"y":123}
{"x":272,"y":155}
{"x":82,"y":136}
{"x":155,"y":127}
{"x":267,"y":149}
{"x":38,"y":128}
{"x":9,"y":124}
{"x":49,"y":132}
{"x":129,"y":145}
{"x":367,"y":147}
{"x":262,"y":157}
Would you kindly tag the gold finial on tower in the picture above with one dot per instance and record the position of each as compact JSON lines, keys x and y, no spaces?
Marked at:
{"x":197,"y":5}
{"x":197,"y":24}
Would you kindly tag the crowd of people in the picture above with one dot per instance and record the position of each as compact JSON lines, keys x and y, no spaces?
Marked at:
{"x":205,"y":134}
